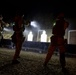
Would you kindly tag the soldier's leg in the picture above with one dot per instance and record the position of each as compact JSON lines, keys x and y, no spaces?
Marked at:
{"x":62,"y":56}
{"x":20,"y":47}
{"x":20,"y":44}
{"x":16,"y":51}
{"x":49,"y":54}
{"x":51,"y":49}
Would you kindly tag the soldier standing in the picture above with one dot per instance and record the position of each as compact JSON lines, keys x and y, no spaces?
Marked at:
{"x":17,"y":37}
{"x":58,"y":41}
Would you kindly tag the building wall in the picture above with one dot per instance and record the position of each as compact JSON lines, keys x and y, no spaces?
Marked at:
{"x":72,"y":37}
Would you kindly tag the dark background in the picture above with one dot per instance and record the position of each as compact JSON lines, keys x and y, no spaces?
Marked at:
{"x":39,"y":8}
{"x":9,"y":7}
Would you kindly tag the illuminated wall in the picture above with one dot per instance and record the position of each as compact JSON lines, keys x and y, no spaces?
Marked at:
{"x":72,"y":37}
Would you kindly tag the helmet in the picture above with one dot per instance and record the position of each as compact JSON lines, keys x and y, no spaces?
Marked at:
{"x":60,"y":15}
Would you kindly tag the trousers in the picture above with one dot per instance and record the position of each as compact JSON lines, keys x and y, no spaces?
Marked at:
{"x":56,"y":43}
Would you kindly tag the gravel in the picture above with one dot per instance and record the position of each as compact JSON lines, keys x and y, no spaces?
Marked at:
{"x":31,"y":63}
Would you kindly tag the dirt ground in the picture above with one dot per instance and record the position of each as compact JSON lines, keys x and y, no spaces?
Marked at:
{"x":31,"y":63}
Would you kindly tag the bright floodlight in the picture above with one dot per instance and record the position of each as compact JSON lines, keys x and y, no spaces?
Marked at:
{"x":30,"y":36}
{"x":44,"y":37}
{"x":34,"y":24}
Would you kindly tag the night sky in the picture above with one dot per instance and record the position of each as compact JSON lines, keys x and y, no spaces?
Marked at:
{"x":32,"y":8}
{"x":35,"y":6}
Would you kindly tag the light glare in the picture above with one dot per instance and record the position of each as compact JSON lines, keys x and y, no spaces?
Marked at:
{"x":44,"y":37}
{"x":30,"y":36}
{"x":34,"y":24}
